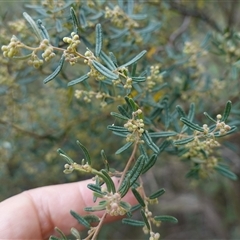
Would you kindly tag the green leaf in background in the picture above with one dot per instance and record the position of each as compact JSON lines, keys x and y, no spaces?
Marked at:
{"x":75,"y":233}
{"x":162,"y":134}
{"x":85,"y":151}
{"x":135,"y":59}
{"x":107,"y":60}
{"x":166,"y":218}
{"x":138,"y":197}
{"x":104,"y":71}
{"x":56,"y":71}
{"x":145,"y":219}
{"x":191,"y":125}
{"x":95,"y":188}
{"x":91,"y":218}
{"x":225,"y":172}
{"x":157,"y":194}
{"x":78,"y":80}
{"x":120,"y":116}
{"x":43,"y":30}
{"x":74,"y":19}
{"x":80,"y":219}
{"x":183,"y":141}
{"x":226,"y":111}
{"x":98,"y":46}
{"x":150,"y":142}
{"x":124,"y":147}
{"x":150,"y":163}
{"x":132,"y":222}
{"x":33,"y":25}
{"x":109,"y":182}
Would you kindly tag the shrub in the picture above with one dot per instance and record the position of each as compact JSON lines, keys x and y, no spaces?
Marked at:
{"x":125,"y":69}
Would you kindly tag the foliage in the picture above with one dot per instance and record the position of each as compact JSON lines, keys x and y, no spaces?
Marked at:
{"x":167,"y":97}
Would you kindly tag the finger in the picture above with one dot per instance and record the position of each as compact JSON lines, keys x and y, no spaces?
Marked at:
{"x":35,"y":213}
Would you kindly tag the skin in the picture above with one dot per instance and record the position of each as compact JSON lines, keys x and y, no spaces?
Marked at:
{"x":33,"y":214}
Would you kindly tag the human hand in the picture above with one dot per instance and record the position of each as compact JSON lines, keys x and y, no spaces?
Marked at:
{"x":33,"y":214}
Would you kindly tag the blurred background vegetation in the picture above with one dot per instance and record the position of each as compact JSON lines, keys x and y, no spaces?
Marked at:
{"x":197,"y":44}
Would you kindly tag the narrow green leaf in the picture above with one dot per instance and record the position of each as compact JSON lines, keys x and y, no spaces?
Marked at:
{"x":64,"y":155}
{"x":232,"y":130}
{"x":207,"y":115}
{"x":75,"y":233}
{"x":226,"y":172}
{"x":33,"y":25}
{"x":138,"y":197}
{"x":157,"y":194}
{"x":164,"y":145}
{"x":85,"y":151}
{"x":22,"y":57}
{"x":124,"y":148}
{"x":139,"y":79}
{"x":95,"y":188}
{"x":123,"y":111}
{"x":135,"y":59}
{"x":59,"y":26}
{"x":191,"y":112}
{"x":145,"y":219}
{"x":181,"y":111}
{"x":63,"y":237}
{"x":166,"y":218}
{"x":183,"y":141}
{"x":130,"y":104}
{"x":191,"y":124}
{"x":150,"y":163}
{"x":120,"y":116}
{"x":109,"y":182}
{"x":135,"y":207}
{"x":80,"y":219}
{"x":132,"y":175}
{"x":123,"y":189}
{"x":227,"y":111}
{"x":193,"y":173}
{"x":107,"y":60}
{"x":117,"y":128}
{"x":113,"y":58}
{"x":44,"y":32}
{"x":98,"y":46}
{"x":78,"y":80}
{"x":133,"y":222}
{"x":83,"y":19}
{"x":133,"y":104}
{"x":162,"y":134}
{"x":91,"y":218}
{"x":74,"y":19}
{"x":54,"y":238}
{"x":137,"y":169}
{"x":104,"y":71}
{"x":56,"y":71}
{"x":150,"y":142}
{"x":125,"y":205}
{"x":95,"y":208}
{"x":104,"y":158}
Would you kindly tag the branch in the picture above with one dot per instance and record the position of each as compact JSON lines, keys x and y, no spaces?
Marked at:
{"x":194,"y":13}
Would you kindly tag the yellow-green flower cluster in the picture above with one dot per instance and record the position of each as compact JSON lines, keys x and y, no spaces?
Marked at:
{"x":12,"y":49}
{"x":70,"y":52}
{"x":35,"y":61}
{"x":135,"y":126}
{"x":48,"y":50}
{"x":113,"y":207}
{"x":93,"y":72}
{"x":119,"y":18}
{"x":154,"y":78}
